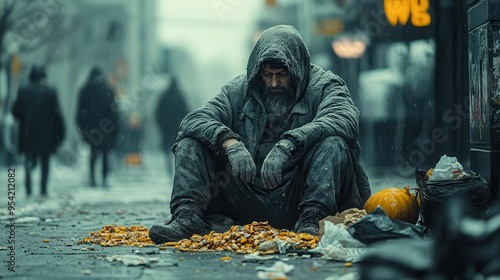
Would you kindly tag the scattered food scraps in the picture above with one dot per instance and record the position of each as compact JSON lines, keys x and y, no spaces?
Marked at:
{"x":245,"y":239}
{"x":111,"y":235}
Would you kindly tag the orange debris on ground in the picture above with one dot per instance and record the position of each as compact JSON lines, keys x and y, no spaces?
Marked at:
{"x":111,"y":235}
{"x":246,"y":239}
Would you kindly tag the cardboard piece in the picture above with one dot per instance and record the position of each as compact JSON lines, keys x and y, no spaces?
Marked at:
{"x":347,"y":217}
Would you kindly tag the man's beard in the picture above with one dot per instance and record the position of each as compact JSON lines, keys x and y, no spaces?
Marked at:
{"x":277,"y":104}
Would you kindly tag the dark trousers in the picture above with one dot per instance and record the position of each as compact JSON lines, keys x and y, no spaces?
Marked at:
{"x":105,"y":168}
{"x":30,"y":164}
{"x":327,"y":177}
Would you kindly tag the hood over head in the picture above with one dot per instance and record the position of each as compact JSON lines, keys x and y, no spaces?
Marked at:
{"x":282,"y":43}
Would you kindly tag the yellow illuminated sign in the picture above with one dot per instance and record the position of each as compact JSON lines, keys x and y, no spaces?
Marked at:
{"x":329,"y":27}
{"x":399,"y":11}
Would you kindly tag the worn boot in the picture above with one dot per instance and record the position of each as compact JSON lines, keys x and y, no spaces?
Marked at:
{"x":308,"y":221}
{"x":219,"y":223}
{"x":184,"y":224}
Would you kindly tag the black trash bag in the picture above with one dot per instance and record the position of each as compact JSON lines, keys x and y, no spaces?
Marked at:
{"x":465,"y":246}
{"x":400,"y":259}
{"x":468,"y":244}
{"x":436,"y":194}
{"x":377,"y":226}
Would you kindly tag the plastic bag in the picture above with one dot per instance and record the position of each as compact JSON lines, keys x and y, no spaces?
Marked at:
{"x":466,"y":246}
{"x":435,"y":194}
{"x":448,"y":168}
{"x":399,"y":259}
{"x":377,"y":226}
{"x":337,"y":244}
{"x":469,"y":244}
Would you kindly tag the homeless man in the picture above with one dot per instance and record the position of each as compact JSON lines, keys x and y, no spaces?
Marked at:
{"x":278,"y":144}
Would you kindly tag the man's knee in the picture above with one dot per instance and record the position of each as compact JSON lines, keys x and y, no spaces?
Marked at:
{"x":333,"y":148}
{"x":333,"y":142}
{"x":188,"y":144}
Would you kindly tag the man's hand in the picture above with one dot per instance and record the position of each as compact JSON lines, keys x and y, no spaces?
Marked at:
{"x":273,"y":164}
{"x":242,"y":164}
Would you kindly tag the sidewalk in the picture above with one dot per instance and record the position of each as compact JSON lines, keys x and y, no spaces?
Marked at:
{"x":47,"y":232}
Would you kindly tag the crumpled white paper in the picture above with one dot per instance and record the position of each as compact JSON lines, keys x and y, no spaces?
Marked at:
{"x":278,"y":270}
{"x":447,"y":168}
{"x":131,"y":260}
{"x":337,"y":244}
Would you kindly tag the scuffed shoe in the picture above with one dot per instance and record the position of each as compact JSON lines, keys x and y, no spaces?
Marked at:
{"x":308,"y":222}
{"x":183,"y":225}
{"x":219,"y":223}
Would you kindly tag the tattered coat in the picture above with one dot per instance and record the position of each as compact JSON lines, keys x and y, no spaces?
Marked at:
{"x":323,"y":106}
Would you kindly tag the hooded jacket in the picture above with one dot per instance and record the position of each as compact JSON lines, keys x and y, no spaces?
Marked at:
{"x":323,"y":106}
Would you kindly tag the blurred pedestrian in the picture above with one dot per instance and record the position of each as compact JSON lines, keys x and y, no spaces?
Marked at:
{"x":171,"y":109}
{"x":97,"y":120}
{"x":41,"y":126}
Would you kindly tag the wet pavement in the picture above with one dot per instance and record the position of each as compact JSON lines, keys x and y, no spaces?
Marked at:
{"x":47,"y":230}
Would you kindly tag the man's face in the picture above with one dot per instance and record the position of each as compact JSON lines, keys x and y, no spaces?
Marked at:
{"x":277,"y":80}
{"x":279,"y":91}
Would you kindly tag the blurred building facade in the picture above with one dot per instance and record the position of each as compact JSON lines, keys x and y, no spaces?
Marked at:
{"x":405,"y":66}
{"x":406,"y":70}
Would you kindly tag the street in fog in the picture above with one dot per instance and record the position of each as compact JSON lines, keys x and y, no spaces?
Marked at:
{"x":386,"y":109}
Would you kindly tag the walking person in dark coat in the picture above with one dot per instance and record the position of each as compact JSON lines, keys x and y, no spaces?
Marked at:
{"x":170,"y":111}
{"x":41,"y":126}
{"x":97,"y":120}
{"x":278,"y":144}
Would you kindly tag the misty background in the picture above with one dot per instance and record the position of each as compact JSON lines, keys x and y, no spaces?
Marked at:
{"x":390,"y":69}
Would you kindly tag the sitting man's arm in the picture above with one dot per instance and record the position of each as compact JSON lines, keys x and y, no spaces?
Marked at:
{"x":336,"y":116}
{"x":210,"y":123}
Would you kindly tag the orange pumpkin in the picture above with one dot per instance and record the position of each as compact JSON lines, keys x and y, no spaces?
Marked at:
{"x":397,"y":203}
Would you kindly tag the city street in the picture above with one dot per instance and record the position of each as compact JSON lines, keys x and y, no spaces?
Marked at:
{"x":268,"y":84}
{"x":47,"y":231}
